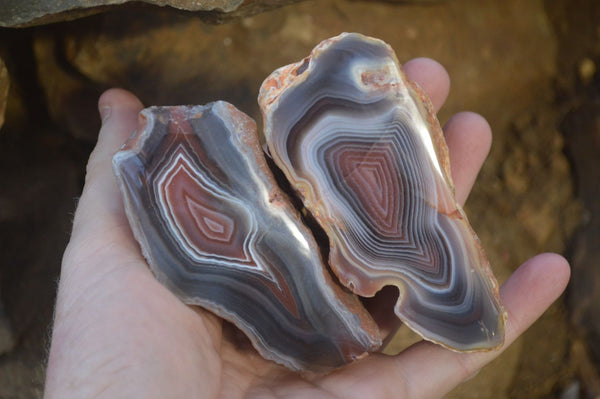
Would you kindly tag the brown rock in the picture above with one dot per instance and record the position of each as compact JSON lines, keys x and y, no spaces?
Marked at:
{"x":577,"y":23}
{"x":587,"y":370}
{"x":71,"y":100}
{"x":17,"y":13}
{"x":4,"y":86}
{"x":7,"y":339}
{"x":544,"y":364}
{"x":582,"y":133}
{"x":34,"y":229}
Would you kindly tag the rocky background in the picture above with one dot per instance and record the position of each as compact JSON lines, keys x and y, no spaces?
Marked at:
{"x":530,"y":67}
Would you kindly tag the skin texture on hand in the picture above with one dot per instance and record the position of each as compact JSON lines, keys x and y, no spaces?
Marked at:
{"x":119,"y":334}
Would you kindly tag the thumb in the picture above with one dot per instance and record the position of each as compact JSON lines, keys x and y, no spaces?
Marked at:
{"x":100,"y":207}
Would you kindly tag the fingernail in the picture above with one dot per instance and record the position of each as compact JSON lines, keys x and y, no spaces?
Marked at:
{"x":104,"y":113}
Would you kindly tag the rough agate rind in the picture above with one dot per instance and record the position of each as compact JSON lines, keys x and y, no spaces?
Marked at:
{"x":362,"y":147}
{"x":218,"y":232}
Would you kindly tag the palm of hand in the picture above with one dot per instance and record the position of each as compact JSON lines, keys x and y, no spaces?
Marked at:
{"x":173,"y":350}
{"x":119,"y":333}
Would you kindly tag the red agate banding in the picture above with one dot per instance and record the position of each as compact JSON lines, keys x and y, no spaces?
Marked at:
{"x":218,"y":232}
{"x":362,"y":147}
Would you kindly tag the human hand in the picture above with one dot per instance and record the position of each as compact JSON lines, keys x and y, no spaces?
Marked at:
{"x":119,"y":333}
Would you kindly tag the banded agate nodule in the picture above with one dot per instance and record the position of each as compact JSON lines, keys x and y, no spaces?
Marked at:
{"x":362,"y":147}
{"x":217,"y":231}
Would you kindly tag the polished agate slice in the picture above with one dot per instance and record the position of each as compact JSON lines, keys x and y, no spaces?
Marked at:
{"x":362,"y":147}
{"x":218,"y":232}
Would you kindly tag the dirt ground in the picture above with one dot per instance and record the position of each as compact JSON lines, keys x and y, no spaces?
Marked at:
{"x":529,"y":67}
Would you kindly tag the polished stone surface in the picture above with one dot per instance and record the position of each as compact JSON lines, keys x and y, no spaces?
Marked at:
{"x":219,"y":233}
{"x":363,"y":149}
